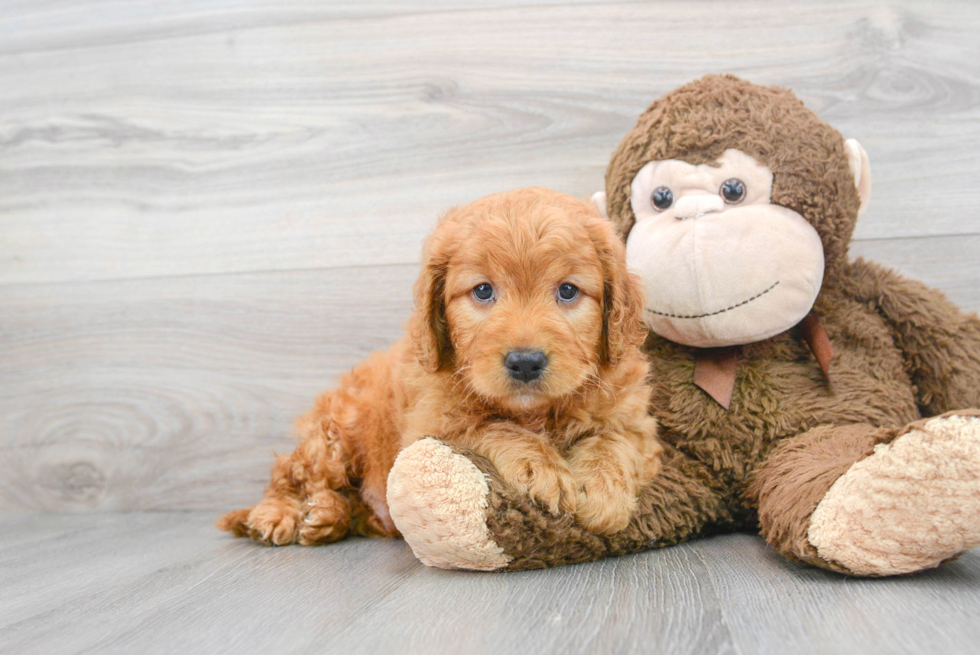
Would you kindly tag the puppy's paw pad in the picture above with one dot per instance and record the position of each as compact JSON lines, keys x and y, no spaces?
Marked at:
{"x":604,"y":510}
{"x":327,"y":519}
{"x":550,"y":485}
{"x":273,"y":523}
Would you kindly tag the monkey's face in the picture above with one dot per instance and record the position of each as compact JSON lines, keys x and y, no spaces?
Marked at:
{"x":721,"y":264}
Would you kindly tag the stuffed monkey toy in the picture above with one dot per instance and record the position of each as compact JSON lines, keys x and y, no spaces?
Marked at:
{"x":828,"y":403}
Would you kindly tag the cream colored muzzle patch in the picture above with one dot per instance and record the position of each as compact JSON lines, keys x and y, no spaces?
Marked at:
{"x":718,"y":272}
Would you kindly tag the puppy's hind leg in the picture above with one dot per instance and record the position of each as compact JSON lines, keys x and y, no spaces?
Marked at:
{"x":327,"y":518}
{"x":234,"y":522}
{"x":274,"y":521}
{"x":301,"y":503}
{"x":335,"y":480}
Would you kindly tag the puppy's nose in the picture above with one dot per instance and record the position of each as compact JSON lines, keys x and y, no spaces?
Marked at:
{"x":525,"y":365}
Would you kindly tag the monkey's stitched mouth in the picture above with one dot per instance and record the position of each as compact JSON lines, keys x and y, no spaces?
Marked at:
{"x":720,"y":311}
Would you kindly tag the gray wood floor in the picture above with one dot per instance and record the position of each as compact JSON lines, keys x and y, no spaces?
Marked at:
{"x":169,"y":583}
{"x":211,"y":208}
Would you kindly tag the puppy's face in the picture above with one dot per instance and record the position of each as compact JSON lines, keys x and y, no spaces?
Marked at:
{"x":526,"y":293}
{"x":524,"y":307}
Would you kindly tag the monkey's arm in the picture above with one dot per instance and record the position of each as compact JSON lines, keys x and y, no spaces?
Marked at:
{"x":941,"y":343}
{"x":455,"y":511}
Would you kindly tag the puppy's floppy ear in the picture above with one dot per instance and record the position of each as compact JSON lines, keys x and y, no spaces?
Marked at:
{"x":428,"y":327}
{"x":622,"y":302}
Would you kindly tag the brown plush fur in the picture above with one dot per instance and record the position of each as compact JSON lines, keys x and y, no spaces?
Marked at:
{"x":902,"y":351}
{"x":578,"y":440}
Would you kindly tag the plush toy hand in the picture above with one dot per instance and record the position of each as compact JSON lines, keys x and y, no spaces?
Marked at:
{"x":456,"y":512}
{"x":439,"y":500}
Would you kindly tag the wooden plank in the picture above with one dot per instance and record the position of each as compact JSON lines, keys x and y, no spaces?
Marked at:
{"x":173,"y":393}
{"x":774,"y":606}
{"x":44,"y":25}
{"x":172,"y":583}
{"x":651,"y":602}
{"x":212,"y":141}
{"x":169,"y":582}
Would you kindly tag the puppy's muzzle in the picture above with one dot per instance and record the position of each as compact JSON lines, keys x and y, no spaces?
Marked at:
{"x":525,"y":365}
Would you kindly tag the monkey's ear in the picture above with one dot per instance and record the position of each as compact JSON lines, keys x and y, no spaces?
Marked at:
{"x":599,"y":200}
{"x":428,"y":327}
{"x":857,"y":159}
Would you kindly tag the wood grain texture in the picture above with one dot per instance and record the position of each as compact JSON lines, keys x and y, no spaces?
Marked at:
{"x":169,"y":582}
{"x":176,"y":584}
{"x":771,"y":603}
{"x":215,"y":137}
{"x":210,"y":209}
{"x":174,"y":392}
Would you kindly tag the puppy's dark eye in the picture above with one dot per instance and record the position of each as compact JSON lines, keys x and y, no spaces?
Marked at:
{"x":662,"y":198}
{"x":483,"y":292}
{"x":733,"y":191}
{"x":567,"y":292}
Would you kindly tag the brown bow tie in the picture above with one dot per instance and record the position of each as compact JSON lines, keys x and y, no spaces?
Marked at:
{"x":714,"y":370}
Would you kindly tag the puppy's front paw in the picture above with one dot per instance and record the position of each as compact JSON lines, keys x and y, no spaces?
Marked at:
{"x":547,"y":480}
{"x":604,"y":506}
{"x":327,"y":519}
{"x":273,"y":522}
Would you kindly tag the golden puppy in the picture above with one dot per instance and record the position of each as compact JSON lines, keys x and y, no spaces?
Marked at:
{"x":524,"y":346}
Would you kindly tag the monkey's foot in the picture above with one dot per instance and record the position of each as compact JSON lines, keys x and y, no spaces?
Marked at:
{"x":911,"y":505}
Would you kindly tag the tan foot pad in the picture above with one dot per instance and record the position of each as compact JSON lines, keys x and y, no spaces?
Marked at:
{"x":438,"y":500}
{"x":911,"y":505}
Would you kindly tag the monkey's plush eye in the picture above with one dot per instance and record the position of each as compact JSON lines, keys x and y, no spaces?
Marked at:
{"x":483,"y":292}
{"x":732,"y":190}
{"x":662,"y":198}
{"x":567,"y":292}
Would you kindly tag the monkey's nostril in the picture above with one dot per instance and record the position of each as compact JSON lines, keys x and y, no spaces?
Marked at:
{"x":525,"y":365}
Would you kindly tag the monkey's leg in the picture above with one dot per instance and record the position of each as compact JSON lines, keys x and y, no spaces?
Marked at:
{"x":873,"y":501}
{"x":456,"y":512}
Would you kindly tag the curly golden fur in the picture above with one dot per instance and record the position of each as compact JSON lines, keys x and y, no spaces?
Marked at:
{"x":575,"y":435}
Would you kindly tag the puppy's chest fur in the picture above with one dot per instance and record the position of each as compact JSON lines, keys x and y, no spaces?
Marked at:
{"x":435,"y":404}
{"x":437,"y":411}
